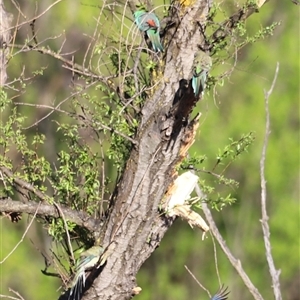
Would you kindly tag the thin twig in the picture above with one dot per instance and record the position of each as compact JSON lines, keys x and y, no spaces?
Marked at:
{"x":16,"y":293}
{"x":68,"y":64}
{"x":112,"y":130}
{"x":264,"y":221}
{"x":66,"y":229}
{"x":194,"y":277}
{"x":23,"y":236}
{"x":216,"y":258}
{"x":8,"y":297}
{"x":24,"y":184}
{"x":36,"y":17}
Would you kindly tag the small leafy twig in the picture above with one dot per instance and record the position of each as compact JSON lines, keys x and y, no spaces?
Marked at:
{"x":23,"y":184}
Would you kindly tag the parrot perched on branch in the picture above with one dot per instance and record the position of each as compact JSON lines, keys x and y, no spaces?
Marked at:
{"x":202,"y":64}
{"x":149,"y":23}
{"x":87,"y":260}
{"x":221,"y":294}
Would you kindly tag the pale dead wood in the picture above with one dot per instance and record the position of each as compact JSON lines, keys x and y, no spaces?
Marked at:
{"x":264,"y":221}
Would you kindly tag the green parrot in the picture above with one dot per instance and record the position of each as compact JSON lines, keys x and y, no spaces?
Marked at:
{"x":202,"y":64}
{"x":87,"y":260}
{"x":149,"y":23}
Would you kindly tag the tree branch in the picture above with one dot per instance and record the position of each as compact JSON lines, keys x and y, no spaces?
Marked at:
{"x":45,"y":209}
{"x":264,"y":221}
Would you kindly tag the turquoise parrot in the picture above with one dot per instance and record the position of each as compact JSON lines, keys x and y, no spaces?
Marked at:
{"x":221,"y":294}
{"x":202,"y":64}
{"x":87,"y":260}
{"x":149,"y":23}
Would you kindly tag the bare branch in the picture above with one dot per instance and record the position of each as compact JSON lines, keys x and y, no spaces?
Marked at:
{"x":68,"y":64}
{"x":44,"y":209}
{"x":18,"y":294}
{"x":36,"y":17}
{"x":10,"y":297}
{"x":264,"y":221}
{"x":235,"y":262}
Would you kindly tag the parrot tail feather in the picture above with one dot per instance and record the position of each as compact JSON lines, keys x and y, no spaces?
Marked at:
{"x":198,"y":83}
{"x":155,"y":40}
{"x":77,"y":289}
{"x":222,"y":294}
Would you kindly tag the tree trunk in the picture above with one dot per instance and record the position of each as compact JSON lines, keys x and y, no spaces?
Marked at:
{"x":135,"y":224}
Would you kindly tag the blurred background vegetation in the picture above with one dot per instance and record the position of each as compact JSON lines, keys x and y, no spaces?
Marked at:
{"x":233,"y":108}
